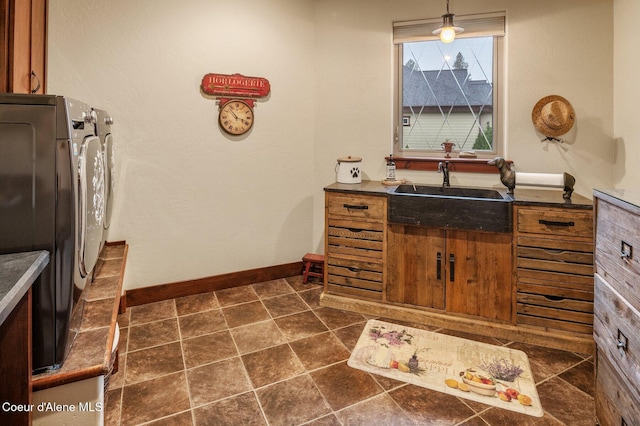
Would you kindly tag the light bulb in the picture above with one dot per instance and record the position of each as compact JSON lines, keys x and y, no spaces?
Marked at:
{"x":448,"y":30}
{"x":447,"y":35}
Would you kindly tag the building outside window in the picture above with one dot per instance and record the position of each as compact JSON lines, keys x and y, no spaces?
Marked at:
{"x":449,"y":92}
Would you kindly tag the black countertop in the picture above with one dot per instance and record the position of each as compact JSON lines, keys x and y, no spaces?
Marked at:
{"x":17,"y":272}
{"x":521,"y":197}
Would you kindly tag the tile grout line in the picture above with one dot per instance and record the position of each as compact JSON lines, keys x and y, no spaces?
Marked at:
{"x":244,"y":367}
{"x":184,"y":366}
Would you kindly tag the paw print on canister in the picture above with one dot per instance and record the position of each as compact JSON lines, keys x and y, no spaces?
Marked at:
{"x":355,"y":172}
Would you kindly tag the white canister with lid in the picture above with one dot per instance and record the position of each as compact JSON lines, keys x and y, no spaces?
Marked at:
{"x":349,"y":170}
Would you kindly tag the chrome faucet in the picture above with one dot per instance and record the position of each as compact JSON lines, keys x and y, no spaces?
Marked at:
{"x":443,"y":167}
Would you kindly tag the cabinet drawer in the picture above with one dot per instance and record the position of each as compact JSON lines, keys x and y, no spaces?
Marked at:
{"x":566,"y":308}
{"x":355,"y":277}
{"x":355,"y":238}
{"x":577,"y":223}
{"x":617,"y":233}
{"x":617,"y":333}
{"x":554,"y":290}
{"x":345,"y":290}
{"x":559,"y":249}
{"x":356,"y":269}
{"x":555,"y":279}
{"x":555,"y":300}
{"x":356,"y":206}
{"x":555,"y":256}
{"x":555,"y":266}
{"x":615,"y":404}
{"x":354,"y":283}
{"x":556,"y":318}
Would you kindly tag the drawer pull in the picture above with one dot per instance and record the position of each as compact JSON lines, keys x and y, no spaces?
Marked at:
{"x":452,"y":267}
{"x":555,"y":251}
{"x":555,"y":223}
{"x":554,"y":298}
{"x":439,"y":266}
{"x":353,"y":269}
{"x":622,"y":341}
{"x":33,"y":75}
{"x":626,"y":251}
{"x":355,"y":207}
{"x":356,"y":230}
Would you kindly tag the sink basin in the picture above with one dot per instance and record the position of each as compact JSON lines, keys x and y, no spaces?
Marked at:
{"x":476,"y":209}
{"x":448,"y":191}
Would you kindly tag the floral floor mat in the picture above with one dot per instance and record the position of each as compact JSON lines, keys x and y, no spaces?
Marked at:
{"x":493,"y":375}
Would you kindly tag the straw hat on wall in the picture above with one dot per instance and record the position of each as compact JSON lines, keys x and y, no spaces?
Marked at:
{"x":553,"y":115}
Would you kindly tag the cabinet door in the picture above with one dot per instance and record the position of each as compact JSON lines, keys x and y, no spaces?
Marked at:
{"x":38,"y":46}
{"x":478,"y":269}
{"x":23,"y":46}
{"x":415,"y":272}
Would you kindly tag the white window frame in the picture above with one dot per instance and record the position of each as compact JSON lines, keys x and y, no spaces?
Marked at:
{"x":480,"y":25}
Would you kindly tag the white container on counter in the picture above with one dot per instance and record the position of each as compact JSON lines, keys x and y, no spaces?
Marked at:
{"x":349,"y":170}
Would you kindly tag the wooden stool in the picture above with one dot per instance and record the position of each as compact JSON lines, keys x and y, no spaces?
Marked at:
{"x":313,"y":266}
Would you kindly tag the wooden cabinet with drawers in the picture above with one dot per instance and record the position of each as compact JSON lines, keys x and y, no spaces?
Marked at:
{"x":355,"y":244}
{"x":554,"y":268}
{"x":532,"y":284}
{"x":617,"y":307}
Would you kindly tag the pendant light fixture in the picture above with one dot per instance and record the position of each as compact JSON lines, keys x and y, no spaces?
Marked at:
{"x":448,"y":30}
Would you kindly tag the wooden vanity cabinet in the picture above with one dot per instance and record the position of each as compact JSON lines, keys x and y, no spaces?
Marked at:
{"x":533,"y":284}
{"x":355,"y":245}
{"x":460,"y":272}
{"x":554,"y":268}
{"x":617,"y":309}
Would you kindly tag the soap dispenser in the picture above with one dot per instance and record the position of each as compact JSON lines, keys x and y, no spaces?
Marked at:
{"x":391,"y":168}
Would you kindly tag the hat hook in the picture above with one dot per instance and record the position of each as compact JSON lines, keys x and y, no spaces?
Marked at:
{"x":551,"y":139}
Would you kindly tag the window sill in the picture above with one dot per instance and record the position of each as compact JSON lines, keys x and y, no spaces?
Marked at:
{"x":468,"y":165}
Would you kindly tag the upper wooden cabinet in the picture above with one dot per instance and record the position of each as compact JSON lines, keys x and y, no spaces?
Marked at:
{"x":23,"y":46}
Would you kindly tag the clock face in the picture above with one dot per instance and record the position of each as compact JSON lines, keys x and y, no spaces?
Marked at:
{"x":236,"y":117}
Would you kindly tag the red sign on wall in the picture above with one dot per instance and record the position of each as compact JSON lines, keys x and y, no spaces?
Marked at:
{"x":235,"y":85}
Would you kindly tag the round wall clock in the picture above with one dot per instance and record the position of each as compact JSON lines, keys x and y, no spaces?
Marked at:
{"x":236,"y":117}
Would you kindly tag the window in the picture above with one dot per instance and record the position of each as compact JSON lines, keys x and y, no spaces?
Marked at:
{"x":449,"y":92}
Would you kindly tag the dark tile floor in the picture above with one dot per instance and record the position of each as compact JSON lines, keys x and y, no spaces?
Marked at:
{"x":268,"y":354}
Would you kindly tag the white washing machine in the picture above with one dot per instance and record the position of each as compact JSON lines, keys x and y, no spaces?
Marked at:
{"x":89,"y":160}
{"x":103,"y":130}
{"x":52,"y":197}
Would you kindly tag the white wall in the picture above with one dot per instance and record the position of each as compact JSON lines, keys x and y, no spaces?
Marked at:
{"x":193,"y":203}
{"x":626,"y":94}
{"x":552,"y":48}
